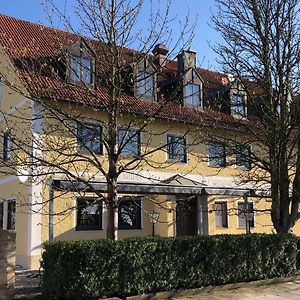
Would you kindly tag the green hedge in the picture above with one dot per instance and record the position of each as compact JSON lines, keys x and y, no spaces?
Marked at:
{"x":104,"y":268}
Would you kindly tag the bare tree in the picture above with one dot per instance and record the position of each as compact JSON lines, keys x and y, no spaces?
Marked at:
{"x":87,"y":99}
{"x":261,"y":51}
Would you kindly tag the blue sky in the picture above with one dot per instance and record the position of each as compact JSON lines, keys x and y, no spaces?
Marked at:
{"x":32,"y":10}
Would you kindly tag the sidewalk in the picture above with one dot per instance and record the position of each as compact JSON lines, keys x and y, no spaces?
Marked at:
{"x":28,"y":287}
{"x":287,"y":291}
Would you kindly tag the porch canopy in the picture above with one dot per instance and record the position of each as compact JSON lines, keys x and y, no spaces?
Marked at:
{"x":176,"y":184}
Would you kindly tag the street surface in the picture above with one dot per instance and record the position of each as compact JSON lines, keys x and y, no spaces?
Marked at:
{"x":287,"y":291}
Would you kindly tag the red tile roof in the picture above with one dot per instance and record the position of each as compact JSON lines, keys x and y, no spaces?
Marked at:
{"x":26,"y":41}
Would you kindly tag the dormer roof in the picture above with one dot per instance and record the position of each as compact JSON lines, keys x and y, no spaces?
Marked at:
{"x":35,"y":44}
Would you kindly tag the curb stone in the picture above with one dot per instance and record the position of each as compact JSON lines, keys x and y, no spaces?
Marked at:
{"x":210,"y":289}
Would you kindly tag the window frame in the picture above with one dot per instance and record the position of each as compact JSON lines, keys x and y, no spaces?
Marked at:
{"x":171,"y":156}
{"x":7,"y":146}
{"x":240,"y":212}
{"x":11,"y":215}
{"x":235,"y":105}
{"x":77,"y":61}
{"x":125,"y":143}
{"x":192,"y":95}
{"x":224,"y":219}
{"x":222,"y":155}
{"x":142,"y":83}
{"x":81,"y":145}
{"x":138,"y":201}
{"x":93,"y":200}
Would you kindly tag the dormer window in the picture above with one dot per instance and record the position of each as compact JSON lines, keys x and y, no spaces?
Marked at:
{"x":145,"y":80}
{"x":145,"y":84}
{"x":191,"y":80}
{"x":238,"y":106}
{"x":81,"y":69}
{"x":193,"y":95}
{"x":81,"y":63}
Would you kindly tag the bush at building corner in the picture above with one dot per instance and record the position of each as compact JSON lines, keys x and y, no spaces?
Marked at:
{"x":105,"y":268}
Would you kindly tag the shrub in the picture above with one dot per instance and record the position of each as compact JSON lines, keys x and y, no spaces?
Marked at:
{"x":105,"y":268}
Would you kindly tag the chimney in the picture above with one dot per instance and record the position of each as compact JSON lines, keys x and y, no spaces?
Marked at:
{"x":160,"y":51}
{"x":186,"y":60}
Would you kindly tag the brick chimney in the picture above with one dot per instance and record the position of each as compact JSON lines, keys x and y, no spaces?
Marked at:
{"x":160,"y":51}
{"x":186,"y":60}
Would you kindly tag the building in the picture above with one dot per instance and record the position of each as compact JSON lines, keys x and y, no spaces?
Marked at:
{"x":54,"y":143}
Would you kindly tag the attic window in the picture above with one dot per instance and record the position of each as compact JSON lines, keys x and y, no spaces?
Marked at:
{"x":192,"y":95}
{"x":145,"y":84}
{"x":238,"y":105}
{"x":81,"y":69}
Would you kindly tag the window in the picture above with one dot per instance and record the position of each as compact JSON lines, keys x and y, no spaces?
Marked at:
{"x":89,"y":137}
{"x":245,"y":210}
{"x":176,"y":148}
{"x":243,"y":157}
{"x":130,"y":142}
{"x":130,"y":213}
{"x":145,"y":84}
{"x":238,"y":105}
{"x":89,"y":214}
{"x":221,"y":214}
{"x":81,"y":69}
{"x":192,"y":95}
{"x":216,"y":154}
{"x":7,"y":145}
{"x":11,"y":213}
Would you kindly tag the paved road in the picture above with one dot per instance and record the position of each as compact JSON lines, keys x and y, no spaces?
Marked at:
{"x":287,"y":291}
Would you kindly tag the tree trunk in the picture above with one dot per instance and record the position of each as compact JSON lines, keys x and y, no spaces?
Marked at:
{"x":112,"y":210}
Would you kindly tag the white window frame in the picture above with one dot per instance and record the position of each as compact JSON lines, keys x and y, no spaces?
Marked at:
{"x":76,"y":61}
{"x":193,"y":95}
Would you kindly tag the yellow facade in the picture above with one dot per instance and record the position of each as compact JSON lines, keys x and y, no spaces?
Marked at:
{"x":197,"y":167}
{"x":33,"y":196}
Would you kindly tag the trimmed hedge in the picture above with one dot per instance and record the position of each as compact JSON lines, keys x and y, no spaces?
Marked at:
{"x":105,"y":268}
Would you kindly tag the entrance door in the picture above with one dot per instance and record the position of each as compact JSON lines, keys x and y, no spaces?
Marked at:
{"x":186,"y":217}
